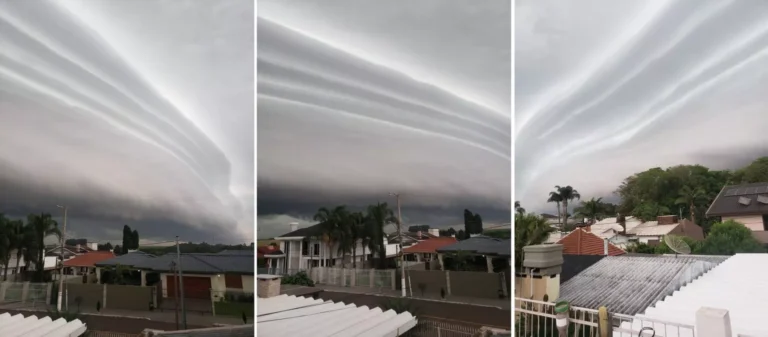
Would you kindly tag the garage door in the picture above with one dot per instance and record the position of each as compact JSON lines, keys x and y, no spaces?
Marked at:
{"x":194,"y":287}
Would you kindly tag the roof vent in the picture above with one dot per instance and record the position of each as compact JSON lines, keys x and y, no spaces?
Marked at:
{"x":763,"y":199}
{"x":745,"y":201}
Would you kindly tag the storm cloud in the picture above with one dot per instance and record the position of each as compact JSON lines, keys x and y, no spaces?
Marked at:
{"x":129,"y":112}
{"x":605,"y":89}
{"x":357,"y":99}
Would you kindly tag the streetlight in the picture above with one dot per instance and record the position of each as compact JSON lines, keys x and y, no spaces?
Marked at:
{"x":400,"y":243}
{"x":61,"y":271}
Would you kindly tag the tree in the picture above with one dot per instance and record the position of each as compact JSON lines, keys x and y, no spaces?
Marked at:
{"x":127,"y":239}
{"x":21,"y":239}
{"x":519,"y":209}
{"x":380,"y":215}
{"x":473,"y":223}
{"x":327,"y":226}
{"x":730,"y":237}
{"x":135,"y":239}
{"x":6,"y":243}
{"x":530,"y":229}
{"x":691,"y":197}
{"x":461,"y":235}
{"x":649,"y":211}
{"x":755,"y":172}
{"x":105,"y":247}
{"x":591,"y":209}
{"x":557,"y":199}
{"x":567,"y":194}
{"x":44,"y":227}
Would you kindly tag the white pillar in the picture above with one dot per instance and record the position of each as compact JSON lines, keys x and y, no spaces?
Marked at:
{"x":489,"y":263}
{"x":143,"y":278}
{"x":98,"y":275}
{"x":440,"y":259}
{"x":713,"y":322}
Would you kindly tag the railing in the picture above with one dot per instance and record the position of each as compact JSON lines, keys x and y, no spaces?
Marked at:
{"x":430,"y":328}
{"x":537,"y":319}
{"x":348,"y":277}
{"x":92,"y":333}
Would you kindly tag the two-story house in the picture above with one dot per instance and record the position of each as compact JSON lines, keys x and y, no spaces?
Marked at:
{"x":746,"y":204}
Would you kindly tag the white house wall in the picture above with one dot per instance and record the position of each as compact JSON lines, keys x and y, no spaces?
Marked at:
{"x":753,"y":222}
{"x":248,"y":283}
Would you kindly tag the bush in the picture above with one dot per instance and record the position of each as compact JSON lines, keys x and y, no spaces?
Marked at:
{"x":301,"y":278}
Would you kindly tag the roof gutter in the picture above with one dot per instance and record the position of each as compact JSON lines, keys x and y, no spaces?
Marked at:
{"x":713,"y":202}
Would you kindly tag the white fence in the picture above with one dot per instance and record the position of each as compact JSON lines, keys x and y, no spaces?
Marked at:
{"x":25,"y":292}
{"x":343,"y":277}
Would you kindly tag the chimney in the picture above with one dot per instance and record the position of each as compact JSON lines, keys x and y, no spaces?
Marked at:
{"x":418,"y":235}
{"x":543,"y":266}
{"x":77,"y":248}
{"x":267,"y":285}
{"x":605,"y":247}
{"x":434,"y":231}
{"x":666,"y":219}
{"x":294,"y":226}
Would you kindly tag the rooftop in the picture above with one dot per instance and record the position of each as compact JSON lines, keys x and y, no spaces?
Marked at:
{"x":480,"y":245}
{"x":31,"y":326}
{"x":88,"y":259}
{"x":430,"y":246}
{"x":130,"y":259}
{"x":581,"y":242}
{"x":737,"y":285}
{"x":299,"y":316}
{"x":190,"y":263}
{"x":729,"y":200}
{"x":630,"y":284}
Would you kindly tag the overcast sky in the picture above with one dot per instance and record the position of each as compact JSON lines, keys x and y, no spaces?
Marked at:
{"x":129,"y":112}
{"x":357,"y":99}
{"x":605,"y":89}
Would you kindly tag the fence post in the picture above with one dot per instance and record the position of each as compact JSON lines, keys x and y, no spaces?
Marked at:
{"x":503,"y":284}
{"x":370,"y":278}
{"x":24,"y":292}
{"x":48,"y":290}
{"x":448,"y":281}
{"x":104,"y":296}
{"x":604,"y":322}
{"x":3,"y":288}
{"x":353,"y":278}
{"x":713,"y":322}
{"x":392,"y":272}
{"x":343,"y":277}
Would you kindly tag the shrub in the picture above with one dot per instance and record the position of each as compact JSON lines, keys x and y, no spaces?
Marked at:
{"x":301,"y":278}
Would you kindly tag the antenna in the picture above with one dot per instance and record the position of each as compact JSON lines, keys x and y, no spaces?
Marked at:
{"x":677,"y":245}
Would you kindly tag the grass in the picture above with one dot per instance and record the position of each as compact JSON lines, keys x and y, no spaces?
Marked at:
{"x":234,"y":309}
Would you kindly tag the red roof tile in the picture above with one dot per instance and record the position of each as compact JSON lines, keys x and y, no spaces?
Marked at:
{"x":88,"y":259}
{"x":430,"y":246}
{"x":581,"y":242}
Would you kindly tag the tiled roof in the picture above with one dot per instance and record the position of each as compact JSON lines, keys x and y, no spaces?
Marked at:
{"x":652,"y":230}
{"x":314,"y":230}
{"x":737,"y":285}
{"x":88,"y":259}
{"x":480,"y":245}
{"x":581,"y":242}
{"x":430,"y":246}
{"x":727,"y":201}
{"x":629,"y":284}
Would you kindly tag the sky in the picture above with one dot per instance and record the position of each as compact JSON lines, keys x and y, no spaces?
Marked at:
{"x":605,"y":89}
{"x":129,"y":112}
{"x":357,"y":99}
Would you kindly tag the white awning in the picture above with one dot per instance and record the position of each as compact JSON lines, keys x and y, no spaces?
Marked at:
{"x":30,"y":326}
{"x":299,"y":316}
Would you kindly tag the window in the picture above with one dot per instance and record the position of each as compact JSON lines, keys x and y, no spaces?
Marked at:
{"x":304,"y":248}
{"x":317,"y":249}
{"x":765,"y":222}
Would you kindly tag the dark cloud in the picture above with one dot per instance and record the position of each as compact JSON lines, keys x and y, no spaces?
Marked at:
{"x":86,"y":122}
{"x":357,"y":99}
{"x":605,"y":89}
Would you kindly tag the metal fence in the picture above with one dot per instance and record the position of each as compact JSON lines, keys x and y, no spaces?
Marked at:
{"x":92,"y":333}
{"x":435,"y":328}
{"x":537,"y":319}
{"x":348,"y":277}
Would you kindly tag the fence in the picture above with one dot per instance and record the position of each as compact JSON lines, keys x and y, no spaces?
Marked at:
{"x":537,"y":319}
{"x":92,"y":333}
{"x":370,"y":278}
{"x":232,"y":302}
{"x":434,"y":328}
{"x":24,"y":292}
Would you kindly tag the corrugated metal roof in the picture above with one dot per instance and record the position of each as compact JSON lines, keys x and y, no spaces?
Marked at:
{"x":652,"y":230}
{"x":299,"y":316}
{"x":629,"y":284}
{"x":737,"y":285}
{"x":481,"y":245}
{"x":131,"y":259}
{"x":30,"y":326}
{"x":190,"y":263}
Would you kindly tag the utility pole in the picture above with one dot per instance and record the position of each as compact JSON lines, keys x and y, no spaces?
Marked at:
{"x":181,"y":286}
{"x":175,"y":291}
{"x":400,"y":243}
{"x":61,"y":271}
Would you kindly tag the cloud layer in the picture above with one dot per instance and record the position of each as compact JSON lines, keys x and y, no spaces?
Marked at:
{"x":606,"y":89}
{"x":86,"y":123}
{"x":357,"y":99}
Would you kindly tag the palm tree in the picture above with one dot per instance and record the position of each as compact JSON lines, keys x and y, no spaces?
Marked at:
{"x":567,"y":194}
{"x":519,"y":209}
{"x":556,"y":198}
{"x":381,"y":215}
{"x":325,"y":217}
{"x":6,"y":238}
{"x":690,"y":197}
{"x":530,"y":229}
{"x":356,"y":232}
{"x":23,"y":242}
{"x":44,"y":226}
{"x":591,"y":209}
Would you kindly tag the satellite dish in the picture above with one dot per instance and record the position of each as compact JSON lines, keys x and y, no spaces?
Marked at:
{"x":677,"y":244}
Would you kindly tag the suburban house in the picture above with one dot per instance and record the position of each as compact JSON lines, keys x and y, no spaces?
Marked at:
{"x":647,"y":232}
{"x":488,"y":247}
{"x":85,"y":264}
{"x":205,"y":275}
{"x":426,"y":251}
{"x":412,"y":238}
{"x":746,"y":204}
{"x":583,"y":242}
{"x":304,"y":248}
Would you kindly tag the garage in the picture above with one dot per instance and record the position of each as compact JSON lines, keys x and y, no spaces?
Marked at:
{"x":194,"y":287}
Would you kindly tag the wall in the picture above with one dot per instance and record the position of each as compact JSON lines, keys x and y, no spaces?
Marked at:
{"x":90,"y":294}
{"x":549,"y":286}
{"x":248,"y":283}
{"x":217,"y":282}
{"x":753,"y":222}
{"x":475,"y":284}
{"x":128,"y":297}
{"x":433,"y":279}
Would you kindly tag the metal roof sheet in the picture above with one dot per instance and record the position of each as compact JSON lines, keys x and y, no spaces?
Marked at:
{"x":629,"y":284}
{"x":131,"y":259}
{"x":652,"y":230}
{"x":481,"y":245}
{"x":299,"y":316}
{"x":31,"y":326}
{"x":737,"y":285}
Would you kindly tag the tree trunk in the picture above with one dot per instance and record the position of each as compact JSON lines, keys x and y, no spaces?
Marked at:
{"x":560,"y":218}
{"x":354,"y":255}
{"x":18,"y":257}
{"x":693,"y":214}
{"x":565,"y":213}
{"x":5,"y":264}
{"x":363,"y":259}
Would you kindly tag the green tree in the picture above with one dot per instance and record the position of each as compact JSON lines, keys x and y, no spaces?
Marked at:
{"x":691,"y":197}
{"x":557,"y":199}
{"x":567,"y":194}
{"x":591,"y":209}
{"x":135,"y":239}
{"x":127,"y":239}
{"x":756,"y":172}
{"x":379,"y":216}
{"x":44,"y":226}
{"x":21,"y":239}
{"x":649,"y":211}
{"x":530,"y":229}
{"x":519,"y":209}
{"x":6,"y":243}
{"x":730,"y":237}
